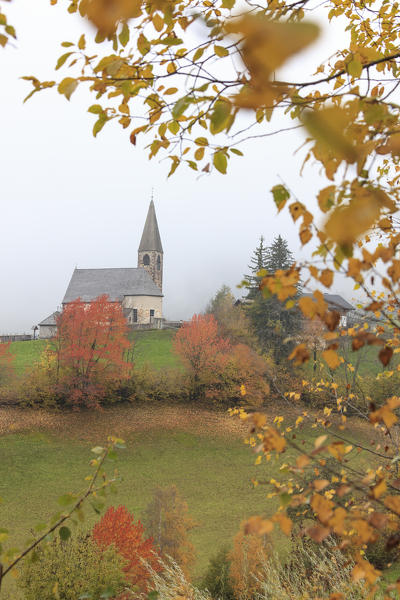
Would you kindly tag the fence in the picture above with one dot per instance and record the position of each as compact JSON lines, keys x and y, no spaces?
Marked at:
{"x":16,"y":337}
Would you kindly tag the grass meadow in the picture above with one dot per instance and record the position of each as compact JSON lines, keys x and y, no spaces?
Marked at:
{"x":46,"y":454}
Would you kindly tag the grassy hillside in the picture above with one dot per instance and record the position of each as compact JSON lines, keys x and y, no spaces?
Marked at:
{"x":202,"y":452}
{"x":153,"y":347}
{"x":27,"y":353}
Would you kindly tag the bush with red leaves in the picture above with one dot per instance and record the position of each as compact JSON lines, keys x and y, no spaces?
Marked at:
{"x":118,"y":527}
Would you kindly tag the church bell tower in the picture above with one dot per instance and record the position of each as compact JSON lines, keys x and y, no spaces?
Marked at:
{"x":150,"y":253}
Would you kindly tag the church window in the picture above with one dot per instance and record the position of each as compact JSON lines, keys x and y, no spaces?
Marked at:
{"x":135,"y":315}
{"x":146,"y":260}
{"x":158,"y":263}
{"x":151,"y":312}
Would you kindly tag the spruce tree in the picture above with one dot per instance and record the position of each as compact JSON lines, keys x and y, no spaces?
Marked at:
{"x":278,"y":256}
{"x":257,"y":263}
{"x":274,"y":325}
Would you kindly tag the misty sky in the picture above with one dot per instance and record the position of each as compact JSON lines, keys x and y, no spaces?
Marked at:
{"x":71,"y":200}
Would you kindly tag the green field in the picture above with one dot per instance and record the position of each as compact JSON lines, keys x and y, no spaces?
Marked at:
{"x":152,"y":347}
{"x":200,"y":451}
{"x":212,"y":470}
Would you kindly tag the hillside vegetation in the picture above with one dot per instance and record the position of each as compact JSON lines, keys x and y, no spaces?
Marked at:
{"x":152,"y":347}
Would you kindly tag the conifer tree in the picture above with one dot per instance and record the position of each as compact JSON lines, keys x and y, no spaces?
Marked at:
{"x":274,"y":325}
{"x":257,"y":263}
{"x":278,"y":256}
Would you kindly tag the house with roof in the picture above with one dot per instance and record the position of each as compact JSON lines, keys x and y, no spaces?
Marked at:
{"x":339,"y":304}
{"x":138,"y":290}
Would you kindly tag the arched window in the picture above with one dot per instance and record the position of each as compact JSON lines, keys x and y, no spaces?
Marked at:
{"x":146,"y":260}
{"x":158,"y":263}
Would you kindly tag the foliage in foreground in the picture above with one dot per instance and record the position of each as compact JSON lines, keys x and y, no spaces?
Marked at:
{"x":310,"y":571}
{"x":72,"y":569}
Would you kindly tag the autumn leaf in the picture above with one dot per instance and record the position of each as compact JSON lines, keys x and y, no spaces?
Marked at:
{"x":300,"y":354}
{"x":67,"y":87}
{"x":285,"y":523}
{"x":331,"y":358}
{"x":385,"y":355}
{"x":258,"y":526}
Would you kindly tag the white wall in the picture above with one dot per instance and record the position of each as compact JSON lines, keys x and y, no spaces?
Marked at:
{"x":143,"y":304}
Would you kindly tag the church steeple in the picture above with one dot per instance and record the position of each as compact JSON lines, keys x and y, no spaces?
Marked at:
{"x":150,"y":252}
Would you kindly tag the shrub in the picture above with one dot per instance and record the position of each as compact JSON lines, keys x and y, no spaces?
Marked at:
{"x":159,"y":385}
{"x":311,"y":571}
{"x":168,"y":521}
{"x":202,"y":351}
{"x":380,"y":553}
{"x":86,"y":363}
{"x":217,"y":577}
{"x":71,"y":569}
{"x":242,"y":371}
{"x":117,"y":527}
{"x":172,"y":584}
{"x":247,"y":559}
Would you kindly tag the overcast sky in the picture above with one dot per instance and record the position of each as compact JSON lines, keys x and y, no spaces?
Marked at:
{"x":71,"y":200}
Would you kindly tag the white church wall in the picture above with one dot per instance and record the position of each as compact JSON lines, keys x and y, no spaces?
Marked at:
{"x":143,"y":304}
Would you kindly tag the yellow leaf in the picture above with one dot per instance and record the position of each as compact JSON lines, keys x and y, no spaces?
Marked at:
{"x":319,"y":441}
{"x":284,"y":522}
{"x":331,"y":358}
{"x":326,"y":278}
{"x":379,"y":489}
{"x":221,"y":51}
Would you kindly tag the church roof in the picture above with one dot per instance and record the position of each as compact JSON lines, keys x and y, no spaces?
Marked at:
{"x":88,"y":284}
{"x":151,"y":239}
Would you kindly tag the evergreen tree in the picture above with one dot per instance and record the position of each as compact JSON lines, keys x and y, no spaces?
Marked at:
{"x":274,"y":325}
{"x":257,"y":262}
{"x":217,"y":578}
{"x":278,"y":256}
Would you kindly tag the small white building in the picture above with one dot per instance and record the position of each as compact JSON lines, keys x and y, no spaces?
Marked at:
{"x":138,"y":290}
{"x":48,"y":327}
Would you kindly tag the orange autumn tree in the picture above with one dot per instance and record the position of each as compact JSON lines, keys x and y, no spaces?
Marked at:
{"x":118,"y":527}
{"x":90,"y":351}
{"x":202,"y":350}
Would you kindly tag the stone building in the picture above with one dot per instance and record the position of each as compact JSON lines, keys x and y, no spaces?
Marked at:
{"x":138,"y":290}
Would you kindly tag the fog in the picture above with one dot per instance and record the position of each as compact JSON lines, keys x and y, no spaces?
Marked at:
{"x":71,"y":200}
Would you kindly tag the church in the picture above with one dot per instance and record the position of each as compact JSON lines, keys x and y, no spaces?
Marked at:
{"x":138,"y":290}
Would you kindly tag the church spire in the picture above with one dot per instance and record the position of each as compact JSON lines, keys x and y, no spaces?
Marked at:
{"x":151,"y":240}
{"x":150,"y":253}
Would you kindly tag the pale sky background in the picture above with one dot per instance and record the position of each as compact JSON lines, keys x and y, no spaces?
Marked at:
{"x":71,"y":200}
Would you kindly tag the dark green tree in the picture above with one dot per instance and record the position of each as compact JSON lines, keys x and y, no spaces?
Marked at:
{"x":274,"y":325}
{"x":258,"y":261}
{"x":278,"y":256}
{"x":217,"y":577}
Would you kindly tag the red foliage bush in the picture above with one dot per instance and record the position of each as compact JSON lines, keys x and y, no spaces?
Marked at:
{"x":118,"y":527}
{"x":90,"y":351}
{"x":202,"y":350}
